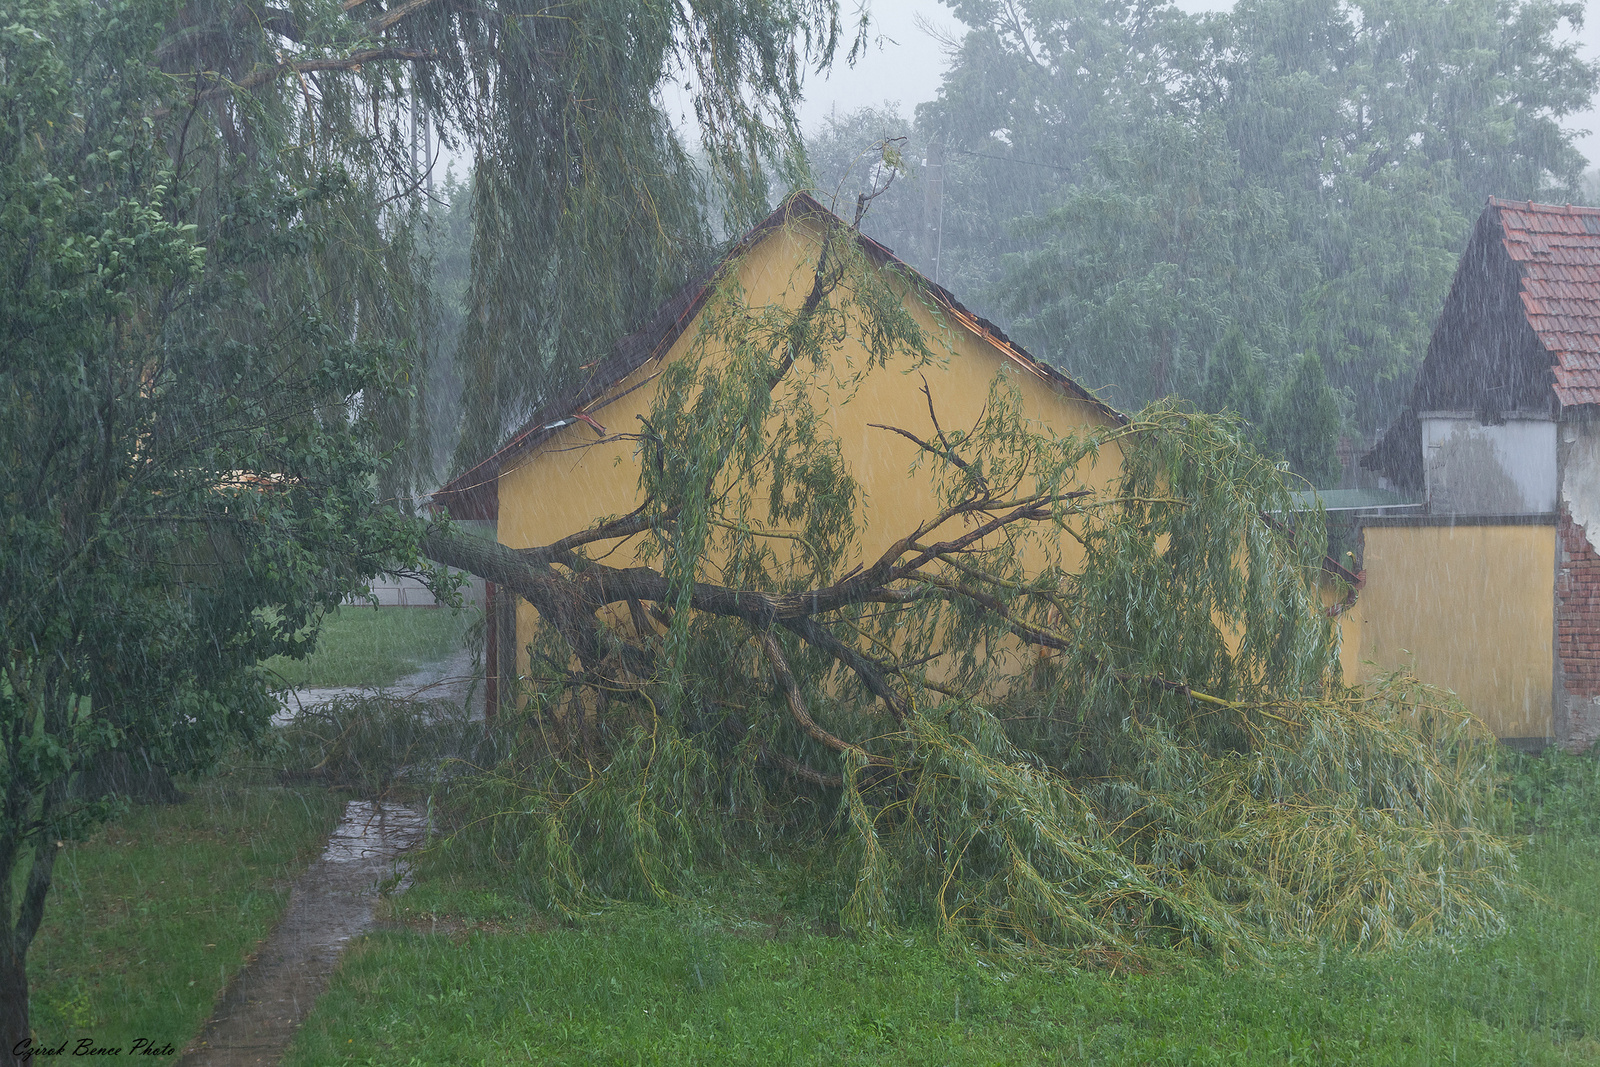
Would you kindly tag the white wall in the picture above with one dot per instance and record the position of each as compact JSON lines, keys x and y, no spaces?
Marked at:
{"x":1473,"y":469}
{"x":394,"y":592}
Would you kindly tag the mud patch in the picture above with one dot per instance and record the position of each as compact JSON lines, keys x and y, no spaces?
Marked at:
{"x":332,"y":902}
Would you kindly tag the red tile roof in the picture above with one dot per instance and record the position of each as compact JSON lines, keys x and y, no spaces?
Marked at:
{"x":1557,"y":250}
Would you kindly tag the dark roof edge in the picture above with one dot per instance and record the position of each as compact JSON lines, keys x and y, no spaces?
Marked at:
{"x":1398,"y":451}
{"x":982,"y":326}
{"x":1387,"y":454}
{"x":1545,"y":518}
{"x":475,"y":493}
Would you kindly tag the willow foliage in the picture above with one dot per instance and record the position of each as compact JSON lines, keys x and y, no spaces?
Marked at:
{"x":1139,"y":742}
{"x":586,"y":205}
{"x":588,"y":209}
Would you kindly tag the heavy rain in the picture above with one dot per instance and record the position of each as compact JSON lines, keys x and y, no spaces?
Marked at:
{"x":994,"y":531}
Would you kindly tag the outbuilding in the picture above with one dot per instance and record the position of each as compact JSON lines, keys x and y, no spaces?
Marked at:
{"x":1491,"y":585}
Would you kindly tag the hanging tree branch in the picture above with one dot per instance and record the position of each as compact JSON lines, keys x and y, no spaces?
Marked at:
{"x":261,"y":76}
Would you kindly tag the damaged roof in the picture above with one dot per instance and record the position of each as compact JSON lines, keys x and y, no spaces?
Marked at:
{"x":474,"y":493}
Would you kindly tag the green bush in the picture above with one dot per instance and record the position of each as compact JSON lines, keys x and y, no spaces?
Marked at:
{"x":1556,"y":791}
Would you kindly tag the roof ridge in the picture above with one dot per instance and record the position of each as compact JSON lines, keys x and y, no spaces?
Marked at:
{"x":1541,"y":208}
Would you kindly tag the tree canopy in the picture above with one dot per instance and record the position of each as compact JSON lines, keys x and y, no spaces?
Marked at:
{"x":587,"y":209}
{"x":189,"y":475}
{"x":1136,"y":192}
{"x":219,"y":334}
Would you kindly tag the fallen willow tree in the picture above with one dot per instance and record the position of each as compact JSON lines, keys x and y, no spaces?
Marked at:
{"x":1136,"y":742}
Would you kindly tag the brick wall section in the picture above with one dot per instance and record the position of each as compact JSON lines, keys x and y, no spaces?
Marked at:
{"x":1578,"y":610}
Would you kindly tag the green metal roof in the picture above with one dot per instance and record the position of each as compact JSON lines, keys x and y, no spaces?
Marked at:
{"x":1352,"y":500}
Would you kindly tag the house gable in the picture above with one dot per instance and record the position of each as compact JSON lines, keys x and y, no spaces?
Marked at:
{"x":1485,"y":365}
{"x":474,"y":493}
{"x":577,"y":461}
{"x":1502,"y":441}
{"x":568,"y":473}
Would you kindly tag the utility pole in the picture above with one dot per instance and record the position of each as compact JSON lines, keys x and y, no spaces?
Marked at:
{"x":427,"y":152}
{"x":421,"y":145}
{"x":933,"y":203}
{"x":413,"y":109}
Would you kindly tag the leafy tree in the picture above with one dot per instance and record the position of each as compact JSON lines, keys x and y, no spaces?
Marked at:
{"x":191,"y":454}
{"x":1387,"y":126}
{"x":587,"y":210}
{"x":1303,"y":423}
{"x":846,"y":157}
{"x":267,"y":101}
{"x":1304,"y":171}
{"x":1235,"y":379}
{"x":1034,"y":88}
{"x":1181,"y":768}
{"x":220,"y":337}
{"x":1144,"y":269}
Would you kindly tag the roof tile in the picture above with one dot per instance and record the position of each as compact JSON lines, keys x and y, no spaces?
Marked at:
{"x":1558,"y":251}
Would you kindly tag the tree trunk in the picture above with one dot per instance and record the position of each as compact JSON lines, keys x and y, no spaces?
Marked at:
{"x":13,"y":1002}
{"x":569,"y":604}
{"x":14,"y":942}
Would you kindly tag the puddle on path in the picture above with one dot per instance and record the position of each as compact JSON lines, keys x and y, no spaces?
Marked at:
{"x":331,"y":903}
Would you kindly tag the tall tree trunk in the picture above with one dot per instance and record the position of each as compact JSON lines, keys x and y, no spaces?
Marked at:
{"x":13,"y":1002}
{"x":14,"y":941}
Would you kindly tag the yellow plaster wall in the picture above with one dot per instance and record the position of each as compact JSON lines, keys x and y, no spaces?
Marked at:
{"x":1472,"y":606}
{"x":1350,"y":636}
{"x":574,"y":478}
{"x":1333,"y":593}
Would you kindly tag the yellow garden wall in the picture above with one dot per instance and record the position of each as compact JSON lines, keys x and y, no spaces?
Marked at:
{"x":1472,"y":607}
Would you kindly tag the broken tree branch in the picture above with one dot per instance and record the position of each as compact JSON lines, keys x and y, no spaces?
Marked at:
{"x":262,"y":75}
{"x":797,"y":704}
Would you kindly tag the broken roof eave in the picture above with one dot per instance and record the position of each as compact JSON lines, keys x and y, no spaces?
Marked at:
{"x":474,"y":494}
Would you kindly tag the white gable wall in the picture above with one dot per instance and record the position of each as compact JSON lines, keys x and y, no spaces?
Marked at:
{"x":1470,"y":468}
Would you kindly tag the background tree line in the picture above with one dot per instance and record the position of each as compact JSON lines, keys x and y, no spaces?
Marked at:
{"x":1258,"y":209}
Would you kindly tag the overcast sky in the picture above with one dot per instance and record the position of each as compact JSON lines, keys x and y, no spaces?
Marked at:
{"x":903,"y":65}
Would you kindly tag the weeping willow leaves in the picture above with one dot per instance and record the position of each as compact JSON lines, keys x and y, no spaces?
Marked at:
{"x":1087,"y":699}
{"x":190,"y":455}
{"x":743,"y":456}
{"x":587,"y":208}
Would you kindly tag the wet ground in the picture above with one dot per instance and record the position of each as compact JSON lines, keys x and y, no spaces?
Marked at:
{"x":450,"y":680}
{"x":331,"y":903}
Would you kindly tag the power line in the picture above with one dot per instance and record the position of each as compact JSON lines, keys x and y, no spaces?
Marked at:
{"x":1008,"y":159}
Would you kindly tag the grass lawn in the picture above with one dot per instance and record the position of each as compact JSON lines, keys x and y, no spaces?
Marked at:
{"x":148,"y":920}
{"x":496,"y":984}
{"x":376,"y":646}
